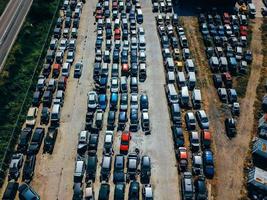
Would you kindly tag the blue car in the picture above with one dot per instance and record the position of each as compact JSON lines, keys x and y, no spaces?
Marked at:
{"x":113,"y":101}
{"x":208,"y":164}
{"x":102,"y":100}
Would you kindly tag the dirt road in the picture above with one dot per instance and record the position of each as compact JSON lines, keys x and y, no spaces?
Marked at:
{"x":229,"y":154}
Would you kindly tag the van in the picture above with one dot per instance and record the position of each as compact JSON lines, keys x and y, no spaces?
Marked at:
{"x":189,"y":65}
{"x":196,"y":99}
{"x":176,"y":114}
{"x":91,"y":167}
{"x":79,"y":171}
{"x":170,"y":64}
{"x":66,"y":69}
{"x":55,"y":115}
{"x":105,"y":168}
{"x":214,"y":63}
{"x":191,"y":80}
{"x":139,"y":16}
{"x":184,"y":97}
{"x":142,"y":43}
{"x":170,"y":77}
{"x":47,"y":98}
{"x":181,"y":80}
{"x":171,"y":93}
{"x":223,"y":64}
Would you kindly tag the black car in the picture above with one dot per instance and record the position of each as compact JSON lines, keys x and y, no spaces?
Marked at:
{"x":28,"y":169}
{"x":47,"y":98}
{"x":36,"y":141}
{"x":104,"y":191}
{"x":116,"y":56}
{"x":230,"y":127}
{"x":145,"y":170}
{"x":93,"y":142}
{"x":26,"y":192}
{"x":50,"y":139}
{"x":178,"y":136}
{"x":119,"y":192}
{"x":36,"y":100}
{"x":134,"y":191}
{"x":45,"y":116}
{"x":122,"y":120}
{"x":24,"y":138}
{"x":111,"y":119}
{"x":200,"y":188}
{"x":217,"y":80}
{"x":91,"y":167}
{"x":10,"y":191}
{"x":118,"y":173}
{"x":77,"y":191}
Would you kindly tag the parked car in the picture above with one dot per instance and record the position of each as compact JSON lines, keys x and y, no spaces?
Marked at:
{"x":28,"y":168}
{"x":93,"y":142}
{"x":31,"y":117}
{"x":125,"y":142}
{"x":147,"y":192}
{"x":78,"y":70}
{"x":92,"y":100}
{"x":201,"y":192}
{"x":197,"y":164}
{"x":145,"y":169}
{"x":187,"y":188}
{"x":26,"y":192}
{"x":36,"y":141}
{"x":202,"y":119}
{"x":50,"y":140}
{"x":45,"y":116}
{"x":132,"y":166}
{"x":15,"y":166}
{"x":11,"y":190}
{"x":104,"y":191}
{"x":118,"y":172}
{"x":24,"y":138}
{"x":194,"y":141}
{"x":119,"y":191}
{"x":134,"y":190}
{"x":230,"y":127}
{"x":108,"y":142}
{"x":190,"y":121}
{"x":105,"y":167}
{"x":208,"y":163}
{"x":91,"y":166}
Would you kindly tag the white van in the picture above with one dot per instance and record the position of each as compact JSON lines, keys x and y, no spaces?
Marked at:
{"x":55,"y":115}
{"x":184,"y":97}
{"x":196,"y":99}
{"x":181,"y":82}
{"x":139,"y":16}
{"x":189,"y":65}
{"x":171,"y":77}
{"x":191,"y":80}
{"x":171,"y":94}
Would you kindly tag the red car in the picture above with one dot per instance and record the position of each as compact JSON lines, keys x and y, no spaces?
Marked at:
{"x":226,"y":18}
{"x":98,"y":14}
{"x":125,"y":69}
{"x":205,"y":138}
{"x":117,"y":34}
{"x":114,"y":5}
{"x":243,"y":30}
{"x":125,"y":142}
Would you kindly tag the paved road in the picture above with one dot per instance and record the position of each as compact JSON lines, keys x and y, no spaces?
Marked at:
{"x":10,"y":24}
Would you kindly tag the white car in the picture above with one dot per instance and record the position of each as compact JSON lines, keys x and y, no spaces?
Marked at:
{"x":92,"y":101}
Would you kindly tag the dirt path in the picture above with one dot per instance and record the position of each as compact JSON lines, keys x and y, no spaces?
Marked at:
{"x":229,"y":168}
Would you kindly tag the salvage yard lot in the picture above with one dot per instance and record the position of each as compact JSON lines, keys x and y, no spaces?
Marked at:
{"x":54,"y":174}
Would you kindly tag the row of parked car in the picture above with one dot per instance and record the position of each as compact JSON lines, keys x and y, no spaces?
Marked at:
{"x":178,"y":64}
{"x":49,"y":92}
{"x":227,"y":50}
{"x":112,"y":94}
{"x":163,"y":6}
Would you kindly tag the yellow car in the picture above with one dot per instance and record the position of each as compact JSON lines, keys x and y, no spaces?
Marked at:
{"x":243,"y":8}
{"x":179,"y":65}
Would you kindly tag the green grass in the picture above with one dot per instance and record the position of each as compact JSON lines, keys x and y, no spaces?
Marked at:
{"x":3,"y":4}
{"x":16,"y":75}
